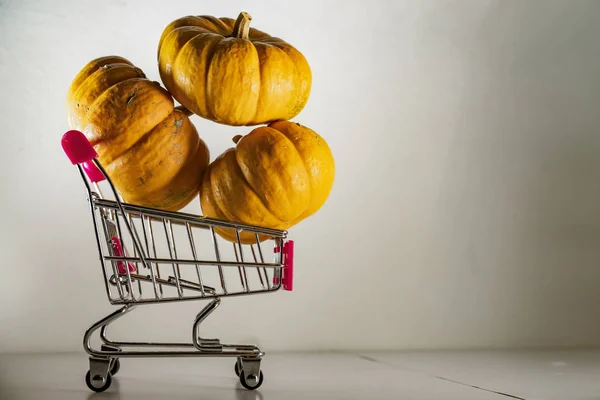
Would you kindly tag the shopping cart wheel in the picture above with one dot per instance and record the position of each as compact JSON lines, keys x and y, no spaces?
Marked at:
{"x":237,"y":367}
{"x":115,"y":366}
{"x":98,"y":384}
{"x":251,"y":384}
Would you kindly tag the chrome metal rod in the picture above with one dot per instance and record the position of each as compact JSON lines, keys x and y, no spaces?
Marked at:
{"x":168,"y":354}
{"x":98,"y":189}
{"x":199,"y":342}
{"x":193,"y":246}
{"x":174,"y":245}
{"x":192,"y":262}
{"x":179,"y":290}
{"x":193,"y":298}
{"x":262,"y":282}
{"x":241,"y":347}
{"x":192,"y":286}
{"x":237,"y":258}
{"x":170,"y":282}
{"x":137,"y":265}
{"x":239,"y":243}
{"x":118,"y":344}
{"x":218,"y":255}
{"x":104,"y":321}
{"x":154,"y":285}
{"x":109,"y":234}
{"x":279,"y":258}
{"x":201,"y":222}
{"x":151,"y":230}
{"x":262,"y":259}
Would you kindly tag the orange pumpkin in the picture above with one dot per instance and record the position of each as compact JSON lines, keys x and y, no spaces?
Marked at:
{"x":227,"y":72}
{"x":151,"y":150}
{"x":275,"y":177}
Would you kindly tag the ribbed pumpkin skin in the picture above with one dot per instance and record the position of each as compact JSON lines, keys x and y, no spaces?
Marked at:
{"x":275,"y":177}
{"x":151,"y":151}
{"x":247,"y":80}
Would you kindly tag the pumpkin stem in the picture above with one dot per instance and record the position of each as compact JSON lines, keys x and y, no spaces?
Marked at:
{"x":236,"y":138}
{"x":184,"y":110}
{"x":241,"y":29}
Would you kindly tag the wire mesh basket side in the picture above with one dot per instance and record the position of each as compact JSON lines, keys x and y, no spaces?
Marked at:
{"x":181,"y":256}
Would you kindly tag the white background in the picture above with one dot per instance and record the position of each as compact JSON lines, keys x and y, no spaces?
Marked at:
{"x":466,"y":207}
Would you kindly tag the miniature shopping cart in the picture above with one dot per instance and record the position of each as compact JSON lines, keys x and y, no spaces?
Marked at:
{"x":151,"y":256}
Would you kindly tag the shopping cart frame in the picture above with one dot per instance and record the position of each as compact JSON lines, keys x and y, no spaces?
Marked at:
{"x":109,"y":216}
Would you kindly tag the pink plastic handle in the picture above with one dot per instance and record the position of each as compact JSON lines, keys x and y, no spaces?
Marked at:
{"x":287,"y":272}
{"x":77,"y":147}
{"x":80,"y":151}
{"x":118,"y":252}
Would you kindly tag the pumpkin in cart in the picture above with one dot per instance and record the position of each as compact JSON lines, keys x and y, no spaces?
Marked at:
{"x":150,"y":149}
{"x":225,"y":71}
{"x":275,"y":177}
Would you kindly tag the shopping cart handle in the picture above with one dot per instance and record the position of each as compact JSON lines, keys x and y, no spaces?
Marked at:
{"x":80,"y":151}
{"x":77,"y":147}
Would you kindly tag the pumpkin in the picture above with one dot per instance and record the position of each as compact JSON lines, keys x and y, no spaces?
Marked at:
{"x":150,"y":150}
{"x":229,"y":73}
{"x":274,"y":177}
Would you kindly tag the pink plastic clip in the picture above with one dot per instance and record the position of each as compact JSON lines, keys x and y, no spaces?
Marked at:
{"x":77,"y":147}
{"x":93,"y":173}
{"x":287,"y":272}
{"x":118,"y":251}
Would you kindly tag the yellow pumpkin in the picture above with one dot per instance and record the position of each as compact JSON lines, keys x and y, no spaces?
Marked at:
{"x":225,"y":71}
{"x":275,"y":177}
{"x":150,"y":150}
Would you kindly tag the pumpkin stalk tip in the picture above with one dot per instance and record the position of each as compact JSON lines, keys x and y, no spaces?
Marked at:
{"x":184,"y":110}
{"x":241,"y":29}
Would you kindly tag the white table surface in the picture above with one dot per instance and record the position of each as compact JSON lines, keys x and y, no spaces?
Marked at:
{"x":490,"y":375}
{"x":532,"y":375}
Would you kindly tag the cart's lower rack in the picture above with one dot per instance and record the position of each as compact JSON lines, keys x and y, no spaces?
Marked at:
{"x":105,"y":363}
